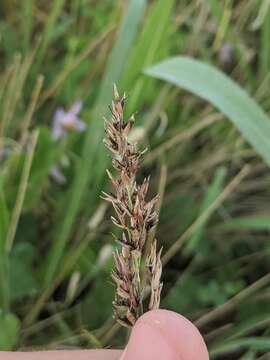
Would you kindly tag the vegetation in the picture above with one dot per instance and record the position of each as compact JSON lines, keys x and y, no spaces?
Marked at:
{"x":199,"y":73}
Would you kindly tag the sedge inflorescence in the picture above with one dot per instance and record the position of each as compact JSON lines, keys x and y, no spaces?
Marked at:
{"x":135,"y":217}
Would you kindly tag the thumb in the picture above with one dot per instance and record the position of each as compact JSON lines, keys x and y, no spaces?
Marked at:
{"x":165,"y":335}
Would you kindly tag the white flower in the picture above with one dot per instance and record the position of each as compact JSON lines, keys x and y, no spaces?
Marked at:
{"x":65,"y":121}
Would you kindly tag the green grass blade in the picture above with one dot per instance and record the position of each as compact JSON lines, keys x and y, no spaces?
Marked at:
{"x":153,"y":44}
{"x":4,"y":220}
{"x":211,"y":194}
{"x":56,"y":8}
{"x":247,"y":326}
{"x":113,"y":74}
{"x":150,"y":40}
{"x":4,"y":284}
{"x":212,"y":85}
{"x":254,"y":343}
{"x":264,"y":54}
{"x":8,"y":231}
{"x":21,"y":194}
{"x":88,"y":162}
{"x":118,"y":57}
{"x":9,"y":337}
{"x":246,"y":223}
{"x":27,"y":23}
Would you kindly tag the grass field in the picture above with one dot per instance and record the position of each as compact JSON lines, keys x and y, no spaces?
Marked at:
{"x":197,"y":77}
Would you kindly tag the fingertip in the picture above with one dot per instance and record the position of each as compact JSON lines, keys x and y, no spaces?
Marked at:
{"x":164,"y":334}
{"x":183,"y":334}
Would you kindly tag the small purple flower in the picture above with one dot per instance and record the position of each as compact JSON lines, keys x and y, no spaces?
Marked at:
{"x":65,"y":121}
{"x":226,"y":54}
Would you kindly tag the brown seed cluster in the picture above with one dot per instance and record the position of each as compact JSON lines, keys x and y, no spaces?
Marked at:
{"x":135,"y":217}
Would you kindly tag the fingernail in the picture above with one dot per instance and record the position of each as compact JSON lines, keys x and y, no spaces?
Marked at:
{"x":165,"y":335}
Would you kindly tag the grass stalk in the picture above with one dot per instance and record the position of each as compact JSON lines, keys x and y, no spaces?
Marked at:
{"x":21,"y":193}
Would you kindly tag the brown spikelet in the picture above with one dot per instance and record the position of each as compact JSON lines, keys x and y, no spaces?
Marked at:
{"x":154,"y":265}
{"x":134,"y":216}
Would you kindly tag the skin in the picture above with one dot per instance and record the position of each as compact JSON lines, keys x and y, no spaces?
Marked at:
{"x":159,"y":334}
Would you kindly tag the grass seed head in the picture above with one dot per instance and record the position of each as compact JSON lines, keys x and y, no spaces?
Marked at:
{"x":134,"y":215}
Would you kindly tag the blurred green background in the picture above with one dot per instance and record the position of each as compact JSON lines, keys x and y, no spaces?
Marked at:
{"x":187,"y":68}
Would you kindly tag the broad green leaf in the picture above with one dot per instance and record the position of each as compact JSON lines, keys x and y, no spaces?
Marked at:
{"x":212,"y":85}
{"x":178,"y":297}
{"x":103,"y":311}
{"x":9,"y":331}
{"x":22,"y":281}
{"x":4,"y":282}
